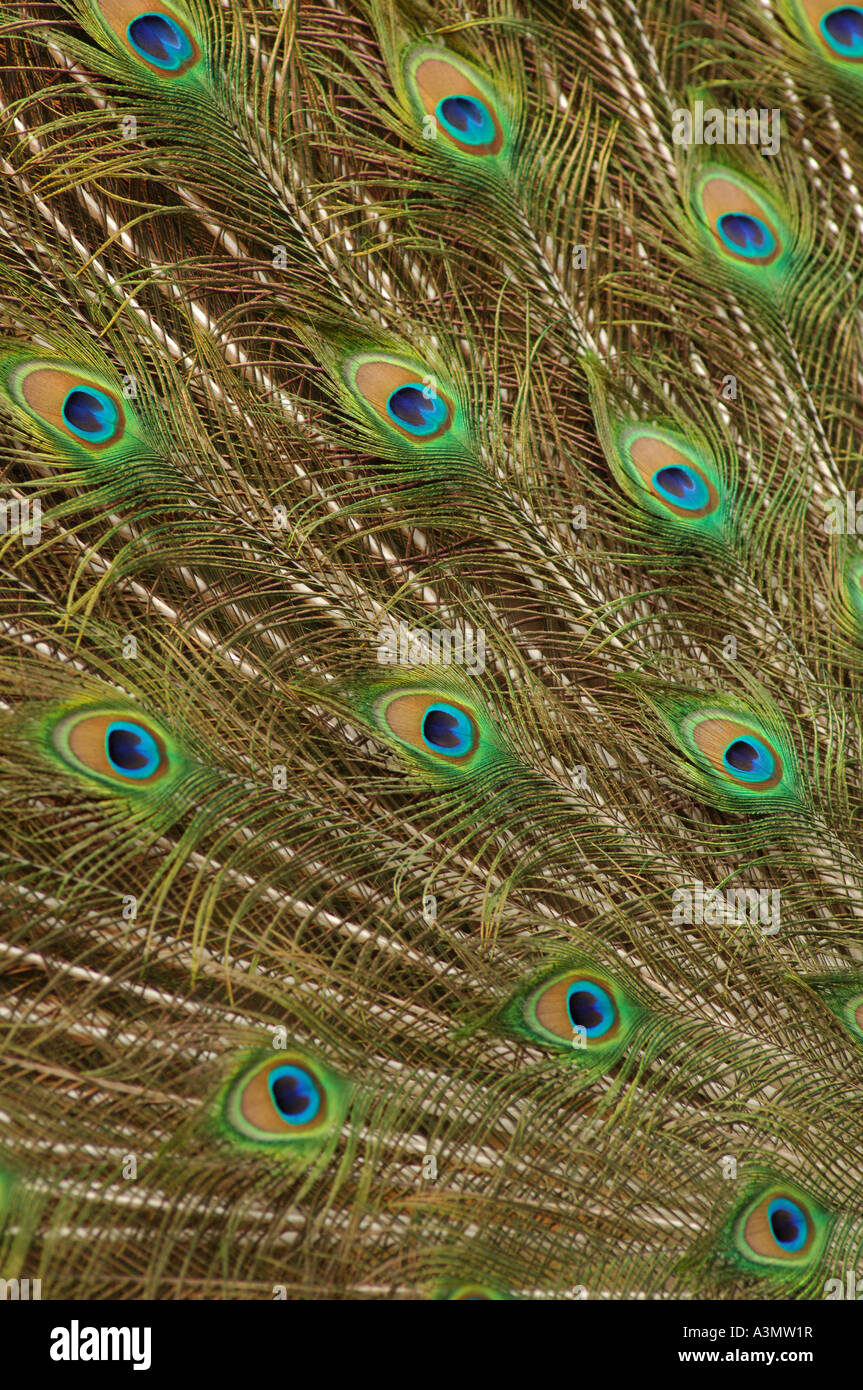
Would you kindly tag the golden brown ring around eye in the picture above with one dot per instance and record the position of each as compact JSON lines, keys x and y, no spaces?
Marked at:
{"x":552,"y":1012}
{"x":119,"y":14}
{"x":259,"y":1109}
{"x":650,"y":455}
{"x":436,"y":80}
{"x":715,"y":736}
{"x":87,"y":739}
{"x":815,"y":11}
{"x":377,"y":380}
{"x":721,"y":197}
{"x":758,"y":1234}
{"x":405,"y":714}
{"x":46,"y":388}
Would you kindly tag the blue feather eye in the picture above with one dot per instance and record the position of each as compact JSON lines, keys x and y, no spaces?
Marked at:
{"x":414,"y":410}
{"x":665,"y":474}
{"x":131,"y":750}
{"x":744,"y":225}
{"x":159,"y":40}
{"x":460,"y":100}
{"x":432,"y":723}
{"x":407,"y":398}
{"x":83,"y":415}
{"x":447,"y":730}
{"x":746,"y":235}
{"x":467,"y":118}
{"x":779,"y":1228}
{"x":749,"y":759}
{"x":90,"y":414}
{"x":590,"y":1007}
{"x":842,"y":30}
{"x":285,"y":1104}
{"x":294,"y":1094}
{"x":586,"y":1014}
{"x":788,"y":1223}
{"x":742,"y":756}
{"x":681,"y":486}
{"x":116,"y":746}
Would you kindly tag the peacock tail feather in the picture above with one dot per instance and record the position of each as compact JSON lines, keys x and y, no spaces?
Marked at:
{"x":432,"y":649}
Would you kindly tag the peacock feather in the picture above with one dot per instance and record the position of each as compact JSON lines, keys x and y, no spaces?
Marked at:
{"x":432,"y":649}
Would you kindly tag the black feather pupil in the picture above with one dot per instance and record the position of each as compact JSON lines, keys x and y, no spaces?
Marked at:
{"x":743,"y":230}
{"x":409,"y":405}
{"x":583,"y":1009}
{"x":742,"y":755}
{"x":288,"y":1095}
{"x":846,"y":27}
{"x":784,"y":1226}
{"x":676,"y":481}
{"x":81,"y":410}
{"x":441,"y":729}
{"x":154,"y":35}
{"x":124,"y":750}
{"x":461,"y":112}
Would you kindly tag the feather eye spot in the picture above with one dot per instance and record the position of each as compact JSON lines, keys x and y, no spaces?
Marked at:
{"x":750,"y":759}
{"x":113,"y":748}
{"x":415,"y":408}
{"x":590,"y":1007}
{"x":676,"y":485}
{"x":295,"y":1094}
{"x":402,"y":396}
{"x":737,"y":753}
{"x":842,"y":30}
{"x":284,"y":1100}
{"x":131,"y":749}
{"x":579,"y":1010}
{"x":788,"y":1224}
{"x":746,"y":235}
{"x":432,"y":725}
{"x":70,"y":405}
{"x":450,"y":95}
{"x":447,"y":730}
{"x":681,"y":486}
{"x":466,"y":118}
{"x":740,"y":220}
{"x":160,"y":40}
{"x":90,"y":414}
{"x":778,"y":1227}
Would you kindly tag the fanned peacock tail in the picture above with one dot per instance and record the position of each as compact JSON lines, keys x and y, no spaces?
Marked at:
{"x":432,"y":625}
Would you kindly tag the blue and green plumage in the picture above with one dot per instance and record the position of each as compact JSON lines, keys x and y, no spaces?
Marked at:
{"x":281,"y":1102}
{"x":742,"y":759}
{"x":82,"y":415}
{"x":435,"y":729}
{"x":779,"y":1229}
{"x":832,"y":32}
{"x":742,"y":226}
{"x":459,"y":109}
{"x":408,"y":403}
{"x":374,"y":320}
{"x":162,"y":44}
{"x":581,"y":1010}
